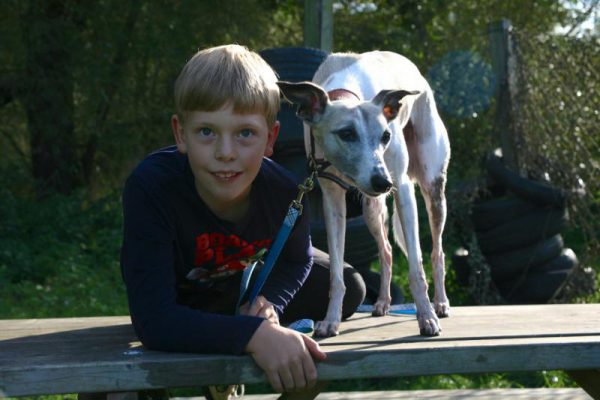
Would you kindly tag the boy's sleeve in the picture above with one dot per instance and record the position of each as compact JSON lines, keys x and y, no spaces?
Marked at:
{"x":293,"y":265}
{"x":147,"y":264}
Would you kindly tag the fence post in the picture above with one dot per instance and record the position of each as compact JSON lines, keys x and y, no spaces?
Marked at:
{"x":318,"y":24}
{"x":504,"y":62}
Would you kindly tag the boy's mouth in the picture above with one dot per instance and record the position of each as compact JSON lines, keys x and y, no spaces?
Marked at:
{"x":226,"y":175}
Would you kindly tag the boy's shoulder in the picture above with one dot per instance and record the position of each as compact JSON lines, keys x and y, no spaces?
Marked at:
{"x":163,"y":165}
{"x":276,"y":176}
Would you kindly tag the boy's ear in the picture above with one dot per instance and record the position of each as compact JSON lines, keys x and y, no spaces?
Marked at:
{"x":177,"y":128}
{"x":273,"y":133}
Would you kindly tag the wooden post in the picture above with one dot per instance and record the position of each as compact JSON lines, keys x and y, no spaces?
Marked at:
{"x":504,"y":63}
{"x":318,"y":24}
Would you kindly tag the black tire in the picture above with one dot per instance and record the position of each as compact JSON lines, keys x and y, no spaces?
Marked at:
{"x":540,"y":224}
{"x":543,"y":284}
{"x":509,"y":265}
{"x":566,"y":260}
{"x":292,"y":64}
{"x":491,"y":213}
{"x":538,"y":288}
{"x":535,"y":191}
{"x":373,"y":282}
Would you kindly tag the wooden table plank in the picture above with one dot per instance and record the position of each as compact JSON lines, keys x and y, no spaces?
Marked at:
{"x":69,"y":355}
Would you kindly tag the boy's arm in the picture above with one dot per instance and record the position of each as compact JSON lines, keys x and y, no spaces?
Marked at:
{"x":147,"y":263}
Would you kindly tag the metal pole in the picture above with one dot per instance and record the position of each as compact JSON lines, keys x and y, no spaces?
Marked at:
{"x":504,"y":63}
{"x":318,"y":24}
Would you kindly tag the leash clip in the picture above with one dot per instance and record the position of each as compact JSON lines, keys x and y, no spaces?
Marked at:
{"x":303,"y":188}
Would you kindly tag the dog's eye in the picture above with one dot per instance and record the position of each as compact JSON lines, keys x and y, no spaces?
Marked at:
{"x":347,"y":135}
{"x":385,"y":138}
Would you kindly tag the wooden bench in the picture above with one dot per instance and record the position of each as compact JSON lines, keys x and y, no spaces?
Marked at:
{"x":71,"y":355}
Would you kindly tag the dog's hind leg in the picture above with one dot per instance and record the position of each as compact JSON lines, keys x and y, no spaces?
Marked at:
{"x":429,"y":150}
{"x":334,"y":212}
{"x":435,"y":200}
{"x":375,"y":215}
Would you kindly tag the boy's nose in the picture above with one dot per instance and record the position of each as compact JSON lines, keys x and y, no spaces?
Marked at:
{"x":225,"y":149}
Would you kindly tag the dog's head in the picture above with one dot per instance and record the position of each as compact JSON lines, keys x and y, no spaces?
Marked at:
{"x":352,"y":134}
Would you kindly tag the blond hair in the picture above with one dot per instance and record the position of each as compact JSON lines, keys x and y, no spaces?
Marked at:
{"x":227,"y":74}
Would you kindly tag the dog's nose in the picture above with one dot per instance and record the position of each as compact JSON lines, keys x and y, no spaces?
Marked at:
{"x":380,"y":183}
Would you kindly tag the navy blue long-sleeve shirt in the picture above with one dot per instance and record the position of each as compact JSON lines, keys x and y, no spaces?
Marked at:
{"x":174,"y":248}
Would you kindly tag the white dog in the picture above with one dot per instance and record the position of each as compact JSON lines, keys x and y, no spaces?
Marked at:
{"x":372,"y":123}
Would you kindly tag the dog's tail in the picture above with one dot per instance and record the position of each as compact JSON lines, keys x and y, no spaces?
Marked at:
{"x":398,"y":234}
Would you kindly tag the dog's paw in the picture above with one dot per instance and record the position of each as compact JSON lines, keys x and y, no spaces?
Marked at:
{"x":429,"y":325}
{"x":325,"y":329}
{"x":381,"y":308}
{"x":442,"y":310}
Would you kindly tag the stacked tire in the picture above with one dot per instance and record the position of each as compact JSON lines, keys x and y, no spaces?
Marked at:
{"x":296,"y":64}
{"x":518,"y":228}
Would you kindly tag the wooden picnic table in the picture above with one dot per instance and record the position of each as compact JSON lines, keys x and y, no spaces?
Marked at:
{"x":71,"y":355}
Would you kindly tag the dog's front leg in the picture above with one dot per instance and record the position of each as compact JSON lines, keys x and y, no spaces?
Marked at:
{"x":407,"y":210}
{"x":334,"y":210}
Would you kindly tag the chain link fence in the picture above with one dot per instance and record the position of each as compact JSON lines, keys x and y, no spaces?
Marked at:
{"x":554,"y":121}
{"x":558,"y":117}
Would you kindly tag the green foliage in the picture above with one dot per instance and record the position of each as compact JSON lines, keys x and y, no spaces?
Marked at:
{"x":60,"y":257}
{"x":120,"y":61}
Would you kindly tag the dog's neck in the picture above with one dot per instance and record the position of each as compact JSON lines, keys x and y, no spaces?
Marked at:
{"x":342,"y":94}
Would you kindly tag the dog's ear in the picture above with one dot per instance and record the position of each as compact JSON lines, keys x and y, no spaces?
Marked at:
{"x":311,"y":99}
{"x":389,"y":100}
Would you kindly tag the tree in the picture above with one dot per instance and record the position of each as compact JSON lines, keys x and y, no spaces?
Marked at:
{"x":86,"y":87}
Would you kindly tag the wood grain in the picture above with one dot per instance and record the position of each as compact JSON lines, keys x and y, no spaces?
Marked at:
{"x":68,"y":355}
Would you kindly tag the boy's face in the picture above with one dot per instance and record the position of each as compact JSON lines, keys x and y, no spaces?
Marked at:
{"x":225,"y":151}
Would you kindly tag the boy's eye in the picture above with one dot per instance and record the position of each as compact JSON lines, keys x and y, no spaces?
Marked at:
{"x":205,"y":132}
{"x":246,"y":133}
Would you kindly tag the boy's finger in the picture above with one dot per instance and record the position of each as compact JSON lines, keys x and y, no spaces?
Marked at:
{"x":297,"y":369}
{"x":313,"y":348}
{"x":310,"y":372}
{"x":257,"y":306}
{"x":275,"y":381}
{"x":286,"y":379}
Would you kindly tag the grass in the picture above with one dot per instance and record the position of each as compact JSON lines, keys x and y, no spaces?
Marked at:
{"x":60,"y":258}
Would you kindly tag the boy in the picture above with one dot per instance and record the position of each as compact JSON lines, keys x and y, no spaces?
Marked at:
{"x":194,"y":214}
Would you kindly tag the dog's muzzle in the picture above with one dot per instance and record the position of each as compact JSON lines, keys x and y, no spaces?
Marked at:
{"x":380,"y":184}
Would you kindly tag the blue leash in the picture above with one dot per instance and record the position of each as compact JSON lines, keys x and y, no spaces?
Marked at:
{"x":294,"y":211}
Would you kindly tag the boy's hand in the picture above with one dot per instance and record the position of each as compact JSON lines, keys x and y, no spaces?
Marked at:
{"x":286,"y":356}
{"x":261,"y":308}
